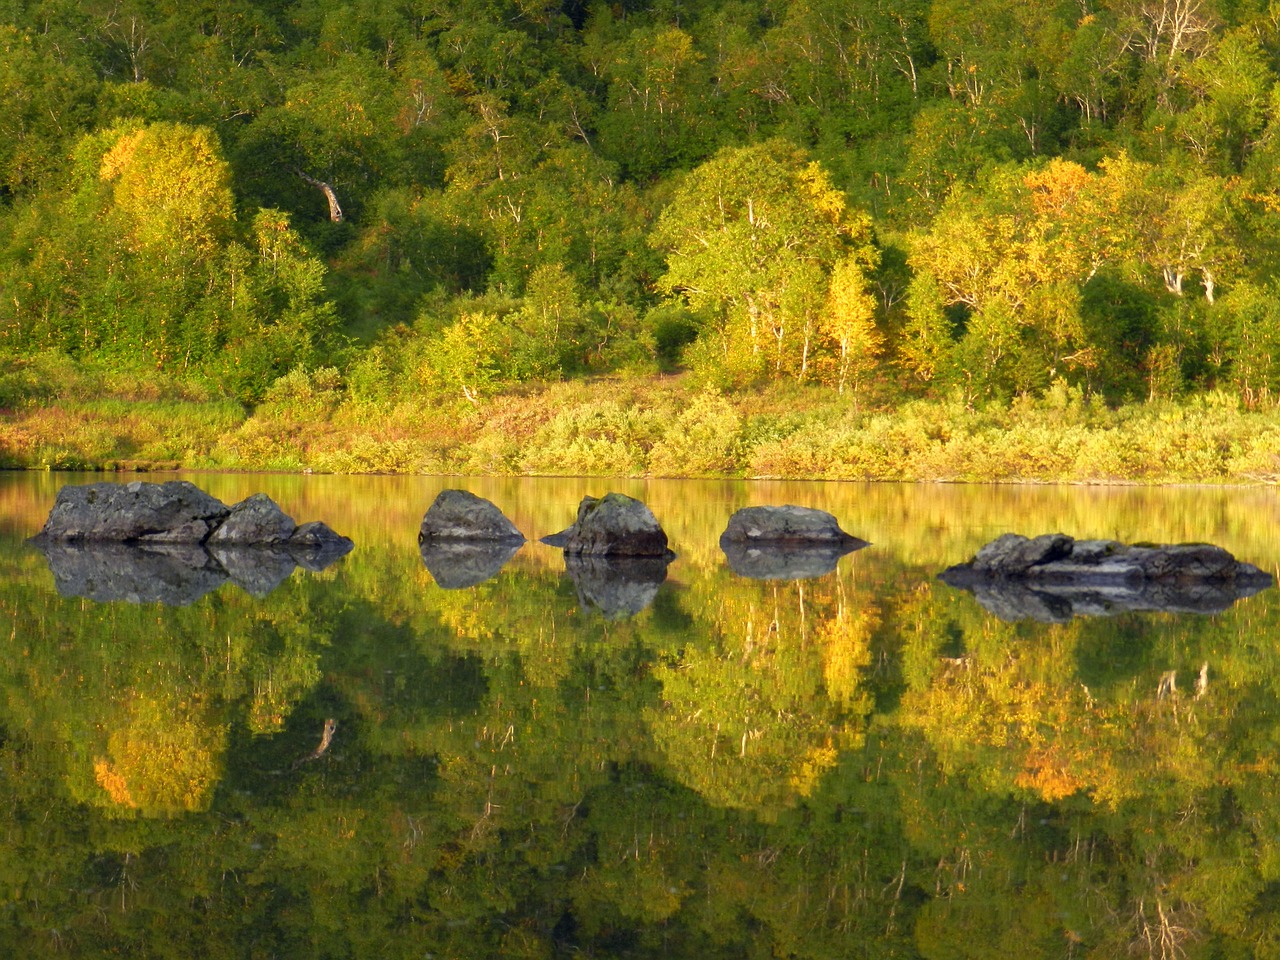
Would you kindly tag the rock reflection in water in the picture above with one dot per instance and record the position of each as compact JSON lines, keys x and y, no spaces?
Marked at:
{"x":1062,"y":602}
{"x":257,"y":570}
{"x":789,"y":561}
{"x":176,"y":575}
{"x":458,"y":564}
{"x":617,"y":587}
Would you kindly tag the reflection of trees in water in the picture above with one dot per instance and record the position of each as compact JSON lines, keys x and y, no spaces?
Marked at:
{"x":786,"y":767}
{"x":754,"y":716}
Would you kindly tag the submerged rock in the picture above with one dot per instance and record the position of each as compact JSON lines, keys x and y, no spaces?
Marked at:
{"x":614,"y":525}
{"x":785,"y":543}
{"x":460,"y":515}
{"x":619,"y":587}
{"x":1054,"y":577}
{"x":458,"y":564}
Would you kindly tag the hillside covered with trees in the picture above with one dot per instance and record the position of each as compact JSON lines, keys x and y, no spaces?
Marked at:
{"x":294,"y":214}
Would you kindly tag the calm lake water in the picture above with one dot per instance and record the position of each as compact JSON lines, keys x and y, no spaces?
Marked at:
{"x":691,"y":764}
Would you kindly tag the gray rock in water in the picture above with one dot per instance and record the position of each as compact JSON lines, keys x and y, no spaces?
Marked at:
{"x":314,"y":545}
{"x":254,"y":520}
{"x":458,"y":564}
{"x":785,"y":543}
{"x":618,"y":587}
{"x":1054,"y":577}
{"x":614,"y":525}
{"x":787,"y":524}
{"x":1014,"y":555}
{"x":459,"y":515}
{"x":172,"y":512}
{"x":104,"y":571}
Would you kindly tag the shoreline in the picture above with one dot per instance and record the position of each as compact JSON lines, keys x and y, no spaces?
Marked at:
{"x":644,"y":428}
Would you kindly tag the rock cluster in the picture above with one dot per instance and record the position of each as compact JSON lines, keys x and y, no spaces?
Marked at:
{"x":173,"y":543}
{"x":175,"y":512}
{"x":1055,"y":577}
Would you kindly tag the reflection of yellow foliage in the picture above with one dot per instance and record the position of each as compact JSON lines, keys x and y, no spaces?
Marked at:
{"x":846,"y":639}
{"x":813,"y":764}
{"x":286,"y":681}
{"x":159,"y":764}
{"x":1045,"y":772}
{"x":112,"y":782}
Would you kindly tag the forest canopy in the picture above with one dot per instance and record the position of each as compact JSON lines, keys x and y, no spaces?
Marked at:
{"x":899,"y":198}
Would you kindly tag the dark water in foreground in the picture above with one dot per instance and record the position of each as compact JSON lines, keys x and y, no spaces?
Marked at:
{"x":864,"y":764}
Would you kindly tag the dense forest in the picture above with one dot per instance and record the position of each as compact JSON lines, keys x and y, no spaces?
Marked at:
{"x":396,"y":205}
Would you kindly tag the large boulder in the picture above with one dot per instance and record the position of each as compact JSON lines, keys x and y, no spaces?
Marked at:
{"x":172,"y":512}
{"x":1057,"y":557}
{"x":1055,"y":577}
{"x":614,"y":525}
{"x":459,"y":515}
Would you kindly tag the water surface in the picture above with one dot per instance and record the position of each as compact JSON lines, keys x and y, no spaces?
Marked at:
{"x":861,"y":764}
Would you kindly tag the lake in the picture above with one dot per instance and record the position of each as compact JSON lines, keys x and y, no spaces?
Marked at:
{"x":358,"y":762}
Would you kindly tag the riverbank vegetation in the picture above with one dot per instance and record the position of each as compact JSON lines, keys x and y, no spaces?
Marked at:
{"x":906,"y":239}
{"x":664,"y":427}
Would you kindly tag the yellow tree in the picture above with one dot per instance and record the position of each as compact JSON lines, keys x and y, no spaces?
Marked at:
{"x":171,"y":187}
{"x":850,"y":320}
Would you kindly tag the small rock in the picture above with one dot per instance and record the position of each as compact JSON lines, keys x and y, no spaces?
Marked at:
{"x":255,"y":520}
{"x":786,"y":524}
{"x":613,"y":526}
{"x":459,"y":515}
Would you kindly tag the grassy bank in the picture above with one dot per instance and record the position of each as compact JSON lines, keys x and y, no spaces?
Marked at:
{"x":59,"y":417}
